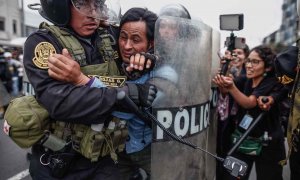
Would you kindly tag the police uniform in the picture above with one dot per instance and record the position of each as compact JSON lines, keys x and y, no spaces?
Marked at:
{"x":69,"y":103}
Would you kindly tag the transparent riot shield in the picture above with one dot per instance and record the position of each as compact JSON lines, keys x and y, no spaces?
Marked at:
{"x":183,"y":78}
{"x":213,"y":118}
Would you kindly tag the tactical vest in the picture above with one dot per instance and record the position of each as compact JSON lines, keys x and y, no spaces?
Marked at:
{"x":93,"y":142}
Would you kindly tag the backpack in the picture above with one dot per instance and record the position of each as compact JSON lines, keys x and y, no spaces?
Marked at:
{"x":26,"y":121}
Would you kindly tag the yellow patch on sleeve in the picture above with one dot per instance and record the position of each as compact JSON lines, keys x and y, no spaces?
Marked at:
{"x":42,"y":52}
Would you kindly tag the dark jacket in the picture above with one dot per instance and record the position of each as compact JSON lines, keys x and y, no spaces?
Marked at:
{"x":64,"y":101}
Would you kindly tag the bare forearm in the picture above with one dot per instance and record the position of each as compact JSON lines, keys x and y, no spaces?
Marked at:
{"x":246,"y":102}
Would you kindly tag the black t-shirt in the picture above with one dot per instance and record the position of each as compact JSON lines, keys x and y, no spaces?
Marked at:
{"x":270,"y":121}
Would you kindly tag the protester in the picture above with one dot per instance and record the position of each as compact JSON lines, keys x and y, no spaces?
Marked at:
{"x":227,"y":107}
{"x":5,"y":83}
{"x":21,"y":73}
{"x":261,"y":82}
{"x":14,"y":65}
{"x":136,"y":36}
{"x":5,"y":73}
{"x":286,"y":71}
{"x":88,"y":110}
{"x":4,"y":99}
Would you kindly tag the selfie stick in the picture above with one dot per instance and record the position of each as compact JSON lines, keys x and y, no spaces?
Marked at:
{"x":236,"y":167}
{"x":231,"y":46}
{"x":243,"y":137}
{"x":147,"y":116}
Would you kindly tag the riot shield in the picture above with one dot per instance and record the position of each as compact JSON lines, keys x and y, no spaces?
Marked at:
{"x":213,"y":118}
{"x":183,"y":78}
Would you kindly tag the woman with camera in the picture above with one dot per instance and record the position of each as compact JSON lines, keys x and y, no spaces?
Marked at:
{"x":265,"y":143}
{"x":227,"y":107}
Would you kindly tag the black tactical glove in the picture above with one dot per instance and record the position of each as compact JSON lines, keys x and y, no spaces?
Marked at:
{"x":141,"y":94}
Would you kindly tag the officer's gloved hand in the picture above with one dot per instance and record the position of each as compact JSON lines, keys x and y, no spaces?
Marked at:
{"x":141,"y":94}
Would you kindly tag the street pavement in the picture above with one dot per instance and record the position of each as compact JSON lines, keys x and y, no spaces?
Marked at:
{"x":14,"y":164}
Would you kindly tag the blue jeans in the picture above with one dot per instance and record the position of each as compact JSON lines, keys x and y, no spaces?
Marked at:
{"x":15,"y":86}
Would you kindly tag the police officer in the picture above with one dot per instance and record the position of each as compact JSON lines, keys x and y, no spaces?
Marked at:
{"x":80,"y":113}
{"x":136,"y":36}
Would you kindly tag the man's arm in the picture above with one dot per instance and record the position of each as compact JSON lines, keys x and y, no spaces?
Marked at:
{"x":64,"y":101}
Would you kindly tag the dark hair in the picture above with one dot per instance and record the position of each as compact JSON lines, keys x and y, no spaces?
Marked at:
{"x":141,"y":14}
{"x":267,"y":55}
{"x":246,"y":50}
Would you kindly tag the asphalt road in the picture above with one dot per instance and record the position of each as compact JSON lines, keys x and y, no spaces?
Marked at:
{"x":14,"y":164}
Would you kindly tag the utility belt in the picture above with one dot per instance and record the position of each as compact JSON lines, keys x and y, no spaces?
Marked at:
{"x":55,"y":154}
{"x":60,"y":147}
{"x":91,"y":141}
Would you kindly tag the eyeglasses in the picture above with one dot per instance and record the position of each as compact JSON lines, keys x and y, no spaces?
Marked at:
{"x":86,"y":7}
{"x":253,"y":62}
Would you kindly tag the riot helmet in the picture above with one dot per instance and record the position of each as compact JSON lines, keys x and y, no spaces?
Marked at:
{"x":175,"y":10}
{"x":168,"y":24}
{"x":59,"y":12}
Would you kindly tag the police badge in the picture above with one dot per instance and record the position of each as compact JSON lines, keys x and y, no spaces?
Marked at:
{"x":42,"y":52}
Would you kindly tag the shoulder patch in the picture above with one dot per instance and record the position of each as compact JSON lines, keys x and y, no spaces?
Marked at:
{"x":42,"y":52}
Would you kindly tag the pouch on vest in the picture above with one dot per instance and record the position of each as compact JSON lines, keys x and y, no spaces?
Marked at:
{"x":26,"y":121}
{"x":95,"y":144}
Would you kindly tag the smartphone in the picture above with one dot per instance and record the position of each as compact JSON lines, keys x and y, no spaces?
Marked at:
{"x":239,"y":42}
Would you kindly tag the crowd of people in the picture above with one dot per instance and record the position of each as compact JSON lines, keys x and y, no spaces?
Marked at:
{"x":63,"y":61}
{"x":11,"y":77}
{"x":257,"y":81}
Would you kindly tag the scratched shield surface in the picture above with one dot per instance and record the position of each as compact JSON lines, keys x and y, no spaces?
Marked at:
{"x":183,"y":78}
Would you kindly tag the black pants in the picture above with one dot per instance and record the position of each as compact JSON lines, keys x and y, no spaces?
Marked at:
{"x":130,"y":163}
{"x":225,"y":129}
{"x":266,"y":164}
{"x":295,"y":165}
{"x":81,"y":168}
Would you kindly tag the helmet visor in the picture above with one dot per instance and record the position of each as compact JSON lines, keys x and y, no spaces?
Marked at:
{"x":98,"y":9}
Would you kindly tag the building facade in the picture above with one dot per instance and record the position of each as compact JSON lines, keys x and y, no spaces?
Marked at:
{"x":16,"y":22}
{"x":289,"y":25}
{"x":10,"y":21}
{"x":287,"y":34}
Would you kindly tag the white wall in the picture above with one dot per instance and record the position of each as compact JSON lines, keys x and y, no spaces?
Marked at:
{"x":9,"y":9}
